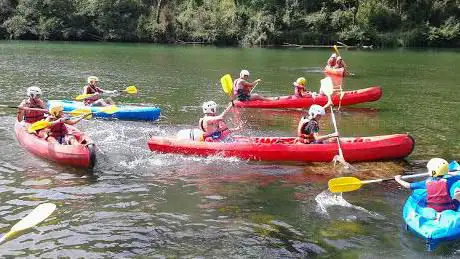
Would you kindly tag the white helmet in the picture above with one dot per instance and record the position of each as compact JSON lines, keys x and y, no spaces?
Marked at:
{"x":333,"y":55}
{"x":92,"y":78}
{"x":34,"y":91}
{"x":316,"y":110}
{"x":209,"y":107}
{"x":243,"y":73}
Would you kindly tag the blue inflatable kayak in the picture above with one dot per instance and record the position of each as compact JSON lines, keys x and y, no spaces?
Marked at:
{"x":426,"y":222}
{"x":123,"y":112}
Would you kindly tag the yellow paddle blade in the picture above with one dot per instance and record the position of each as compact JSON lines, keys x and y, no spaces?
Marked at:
{"x":227,"y":84}
{"x":336,"y":50}
{"x":344,"y":184}
{"x":38,"y":126}
{"x":109,"y":109}
{"x":80,"y":111}
{"x":40,"y":213}
{"x":82,"y":97}
{"x":131,"y":89}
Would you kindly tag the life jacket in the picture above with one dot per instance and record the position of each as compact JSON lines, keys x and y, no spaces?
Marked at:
{"x":217,"y":135}
{"x":302,"y":130}
{"x":438,"y":196}
{"x":90,"y":89}
{"x":237,"y":86}
{"x":31,"y":116}
{"x":331,"y":62}
{"x":299,"y":90}
{"x":58,"y":130}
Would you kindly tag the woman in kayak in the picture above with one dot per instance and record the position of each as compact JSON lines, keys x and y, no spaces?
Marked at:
{"x":331,"y":62}
{"x":242,"y":88}
{"x":308,"y":129}
{"x":57,"y":132}
{"x":437,"y":186}
{"x":34,"y":101}
{"x":299,"y":87}
{"x":213,"y":126}
{"x":93,"y":88}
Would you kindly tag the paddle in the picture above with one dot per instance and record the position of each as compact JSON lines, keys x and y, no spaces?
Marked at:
{"x":227,"y":84}
{"x":130,"y":90}
{"x":328,"y":89}
{"x":349,"y":184}
{"x":40,"y":213}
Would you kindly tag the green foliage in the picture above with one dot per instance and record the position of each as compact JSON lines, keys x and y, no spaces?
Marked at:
{"x":236,"y":22}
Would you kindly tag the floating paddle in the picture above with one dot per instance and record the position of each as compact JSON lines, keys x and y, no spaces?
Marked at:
{"x":130,"y":90}
{"x":328,"y":89}
{"x":349,"y":184}
{"x":227,"y":84}
{"x":40,"y":213}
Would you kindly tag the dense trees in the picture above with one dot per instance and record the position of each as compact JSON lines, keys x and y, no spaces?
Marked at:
{"x":236,"y":22}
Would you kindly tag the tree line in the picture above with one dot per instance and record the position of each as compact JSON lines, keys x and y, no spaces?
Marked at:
{"x":384,"y":23}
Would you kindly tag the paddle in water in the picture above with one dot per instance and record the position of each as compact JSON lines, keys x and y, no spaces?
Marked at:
{"x":40,"y":213}
{"x":327,"y":88}
{"x":130,"y":90}
{"x":349,"y":184}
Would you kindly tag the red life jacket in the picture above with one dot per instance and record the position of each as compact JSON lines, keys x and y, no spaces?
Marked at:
{"x":31,"y":116}
{"x":438,"y":196}
{"x":58,"y":130}
{"x":90,"y":89}
{"x":301,"y":130}
{"x":237,"y":86}
{"x":299,"y":90}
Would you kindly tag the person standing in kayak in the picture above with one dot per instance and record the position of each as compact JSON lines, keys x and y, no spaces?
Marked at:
{"x":331,"y":62}
{"x":213,"y":126}
{"x":93,"y":88}
{"x":242,"y":88}
{"x":437,"y":186}
{"x":57,"y":132}
{"x":34,"y":101}
{"x":308,"y":128}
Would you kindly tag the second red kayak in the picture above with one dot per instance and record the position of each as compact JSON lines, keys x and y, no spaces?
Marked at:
{"x":82,"y":155}
{"x":370,"y":94}
{"x":286,"y":149}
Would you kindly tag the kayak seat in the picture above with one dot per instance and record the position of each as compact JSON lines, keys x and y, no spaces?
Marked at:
{"x":428,"y":213}
{"x":449,"y":218}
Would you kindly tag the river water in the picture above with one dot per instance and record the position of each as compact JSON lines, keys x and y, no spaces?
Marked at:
{"x":140,"y":203}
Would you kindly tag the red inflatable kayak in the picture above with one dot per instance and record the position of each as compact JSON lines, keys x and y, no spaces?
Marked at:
{"x":286,"y":149}
{"x":334,"y":71}
{"x":349,"y":98}
{"x":82,"y":155}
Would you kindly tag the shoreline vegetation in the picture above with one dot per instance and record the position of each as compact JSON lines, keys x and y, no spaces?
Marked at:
{"x":247,"y":23}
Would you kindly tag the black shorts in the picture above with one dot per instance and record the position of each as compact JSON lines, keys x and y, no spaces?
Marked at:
{"x":242,"y":96}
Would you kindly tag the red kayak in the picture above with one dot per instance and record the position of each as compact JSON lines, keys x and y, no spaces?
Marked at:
{"x":355,"y":149}
{"x":334,"y":71}
{"x":82,"y":155}
{"x":349,"y":98}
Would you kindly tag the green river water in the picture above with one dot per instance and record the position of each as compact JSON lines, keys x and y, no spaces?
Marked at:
{"x":140,"y":203}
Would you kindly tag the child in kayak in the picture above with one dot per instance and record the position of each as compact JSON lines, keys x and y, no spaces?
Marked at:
{"x":437,"y":186}
{"x":308,"y":129}
{"x":242,"y":88}
{"x":213,"y":126}
{"x":299,"y":85}
{"x":92,"y":88}
{"x":34,"y":101}
{"x":58,"y":132}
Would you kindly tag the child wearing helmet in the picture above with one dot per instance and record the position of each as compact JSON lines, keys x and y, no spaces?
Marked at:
{"x":93,"y":88}
{"x":58,"y":132}
{"x":308,"y":129}
{"x":331,"y":62}
{"x":437,"y":186}
{"x":213,"y":126}
{"x":242,"y":88}
{"x":33,"y":101}
{"x":299,"y":87}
